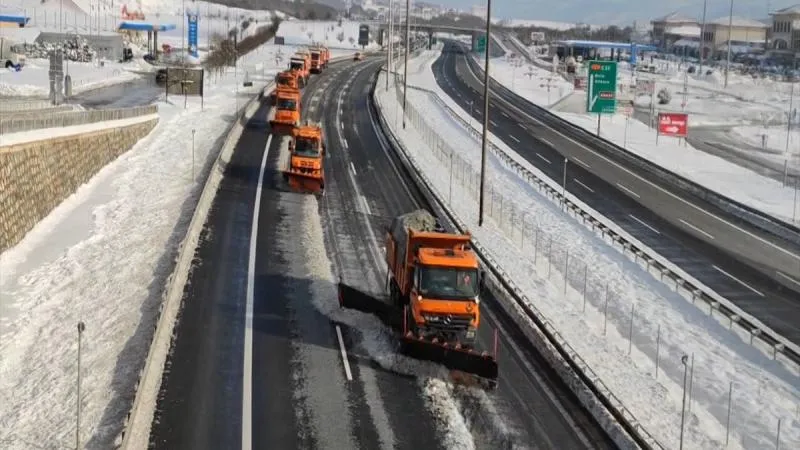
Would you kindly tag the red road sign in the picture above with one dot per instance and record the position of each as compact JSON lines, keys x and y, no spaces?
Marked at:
{"x":673,"y":124}
{"x":606,"y":94}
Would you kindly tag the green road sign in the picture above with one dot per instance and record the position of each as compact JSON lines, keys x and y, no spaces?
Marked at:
{"x":480,"y":44}
{"x":601,"y":88}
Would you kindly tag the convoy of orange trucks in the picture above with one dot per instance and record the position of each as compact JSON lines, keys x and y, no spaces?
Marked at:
{"x":434,"y":278}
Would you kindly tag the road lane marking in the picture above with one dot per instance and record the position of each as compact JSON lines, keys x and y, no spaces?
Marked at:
{"x":695,"y":228}
{"x":583,"y":185}
{"x":546,"y":142}
{"x":628,"y":190}
{"x":504,"y":114}
{"x":643,"y":223}
{"x":247,"y":377}
{"x":581,"y":162}
{"x":347,"y":372}
{"x":353,"y":169}
{"x":737,"y":280}
{"x":514,"y":138}
{"x":366,"y":205}
{"x":783,"y":275}
{"x":543,"y":158}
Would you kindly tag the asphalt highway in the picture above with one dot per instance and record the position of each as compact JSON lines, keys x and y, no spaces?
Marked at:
{"x":687,"y":233}
{"x":311,"y":382}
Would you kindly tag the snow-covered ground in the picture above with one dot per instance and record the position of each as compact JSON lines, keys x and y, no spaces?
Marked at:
{"x":98,"y":257}
{"x":33,"y":79}
{"x":774,"y":141}
{"x":534,"y":241}
{"x":715,"y":173}
{"x":329,"y":33}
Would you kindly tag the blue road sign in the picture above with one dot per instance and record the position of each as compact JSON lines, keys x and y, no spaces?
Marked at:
{"x":193,"y":35}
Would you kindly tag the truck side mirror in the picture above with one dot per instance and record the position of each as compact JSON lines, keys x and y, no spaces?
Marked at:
{"x":481,"y":280}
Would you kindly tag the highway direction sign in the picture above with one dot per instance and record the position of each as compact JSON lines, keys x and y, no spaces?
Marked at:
{"x":480,"y":44}
{"x":601,"y":96}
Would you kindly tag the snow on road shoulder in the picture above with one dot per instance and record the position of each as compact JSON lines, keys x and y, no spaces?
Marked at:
{"x":764,"y":391}
{"x":102,"y":257}
{"x":33,"y":79}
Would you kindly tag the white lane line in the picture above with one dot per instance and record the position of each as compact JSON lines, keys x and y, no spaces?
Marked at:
{"x":492,"y":122}
{"x":504,"y":115}
{"x":247,"y":378}
{"x":353,"y":169}
{"x":583,"y":185}
{"x":514,"y":138}
{"x":789,"y":278}
{"x":344,"y":354}
{"x":366,"y":205}
{"x":522,"y":126}
{"x":737,"y":280}
{"x":643,"y":223}
{"x":344,"y":143}
{"x":628,"y":190}
{"x":548,"y":143}
{"x":543,"y":158}
{"x":695,"y":228}
{"x":581,"y":162}
{"x":646,"y":181}
{"x":341,"y":125}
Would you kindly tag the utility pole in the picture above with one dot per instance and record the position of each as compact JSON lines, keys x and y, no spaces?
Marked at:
{"x":486,"y":79}
{"x":389,"y":44}
{"x":730,"y":33}
{"x":405,"y":68}
{"x":684,"y":358}
{"x":703,"y":38}
{"x":81,"y":328}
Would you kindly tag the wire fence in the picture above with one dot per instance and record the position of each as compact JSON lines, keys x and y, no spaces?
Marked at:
{"x":591,"y":294}
{"x":71,"y":118}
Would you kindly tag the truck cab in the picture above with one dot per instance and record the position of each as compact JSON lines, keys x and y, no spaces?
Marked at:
{"x":307,"y":148}
{"x":11,"y":53}
{"x":299,"y":65}
{"x":286,"y":113}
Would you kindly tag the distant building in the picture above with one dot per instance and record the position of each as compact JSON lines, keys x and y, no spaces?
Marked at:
{"x":672,"y":27}
{"x":746,"y":35}
{"x":785,"y":30}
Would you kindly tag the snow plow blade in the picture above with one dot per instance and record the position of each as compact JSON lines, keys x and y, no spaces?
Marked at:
{"x":478,"y":364}
{"x":468,"y":366}
{"x":281,"y":128}
{"x":305,"y":183}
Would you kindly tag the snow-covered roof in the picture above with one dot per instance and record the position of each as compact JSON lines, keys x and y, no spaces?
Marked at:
{"x":739,"y":22}
{"x":674,"y":17}
{"x":684,"y":30}
{"x":794,"y":9}
{"x":687,"y":43}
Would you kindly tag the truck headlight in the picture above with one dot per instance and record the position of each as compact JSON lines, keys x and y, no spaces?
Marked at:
{"x":470,"y":333}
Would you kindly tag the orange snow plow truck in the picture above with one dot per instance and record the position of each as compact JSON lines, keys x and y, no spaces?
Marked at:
{"x":301,"y":64}
{"x":306,"y":149}
{"x":434,"y":284}
{"x":286,"y":80}
{"x":320,"y":56}
{"x":285,"y":115}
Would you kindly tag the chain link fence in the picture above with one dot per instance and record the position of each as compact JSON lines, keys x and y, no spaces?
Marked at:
{"x":72,"y":118}
{"x":591,"y":294}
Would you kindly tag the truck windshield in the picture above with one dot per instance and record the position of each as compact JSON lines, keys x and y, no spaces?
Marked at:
{"x":306,"y":147}
{"x":297,"y":65}
{"x":287,"y":104}
{"x":284,"y":81}
{"x":448,"y":283}
{"x":315,"y":56}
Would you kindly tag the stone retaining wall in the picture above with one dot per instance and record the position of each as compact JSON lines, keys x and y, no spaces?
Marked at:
{"x":35,"y":177}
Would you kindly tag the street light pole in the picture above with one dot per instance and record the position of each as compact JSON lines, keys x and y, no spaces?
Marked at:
{"x":81,"y":328}
{"x":389,"y":44}
{"x":730,"y":33}
{"x":405,"y":68}
{"x":683,"y":405}
{"x":486,"y":79}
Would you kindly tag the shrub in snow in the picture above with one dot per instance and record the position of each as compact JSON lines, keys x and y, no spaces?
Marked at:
{"x":664,"y":96}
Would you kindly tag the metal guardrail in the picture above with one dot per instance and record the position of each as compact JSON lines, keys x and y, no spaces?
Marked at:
{"x":642,"y":254}
{"x":667,"y":178}
{"x":16,"y":104}
{"x":509,"y":291}
{"x":71,"y":118}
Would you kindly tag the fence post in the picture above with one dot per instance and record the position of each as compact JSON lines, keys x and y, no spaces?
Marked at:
{"x":691,"y":382}
{"x":730,"y":403}
{"x":778,"y":437}
{"x":585,"y":275}
{"x":630,"y":330}
{"x":605,"y":313}
{"x":566,"y":270}
{"x":658,"y":348}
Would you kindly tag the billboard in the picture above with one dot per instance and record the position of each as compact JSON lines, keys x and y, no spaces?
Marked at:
{"x":537,"y":36}
{"x":363,"y":35}
{"x":181,"y":81}
{"x":192,"y":31}
{"x":673,"y":124}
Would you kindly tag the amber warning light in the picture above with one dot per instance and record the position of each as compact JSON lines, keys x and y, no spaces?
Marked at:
{"x":596,"y":67}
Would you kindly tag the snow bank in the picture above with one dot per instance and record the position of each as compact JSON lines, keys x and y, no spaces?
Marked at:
{"x":534,"y":241}
{"x":33,"y":79}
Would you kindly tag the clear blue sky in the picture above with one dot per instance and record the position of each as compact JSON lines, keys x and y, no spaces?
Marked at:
{"x":618,"y":11}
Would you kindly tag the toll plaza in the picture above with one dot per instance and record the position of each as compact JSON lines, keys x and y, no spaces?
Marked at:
{"x":590,"y":50}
